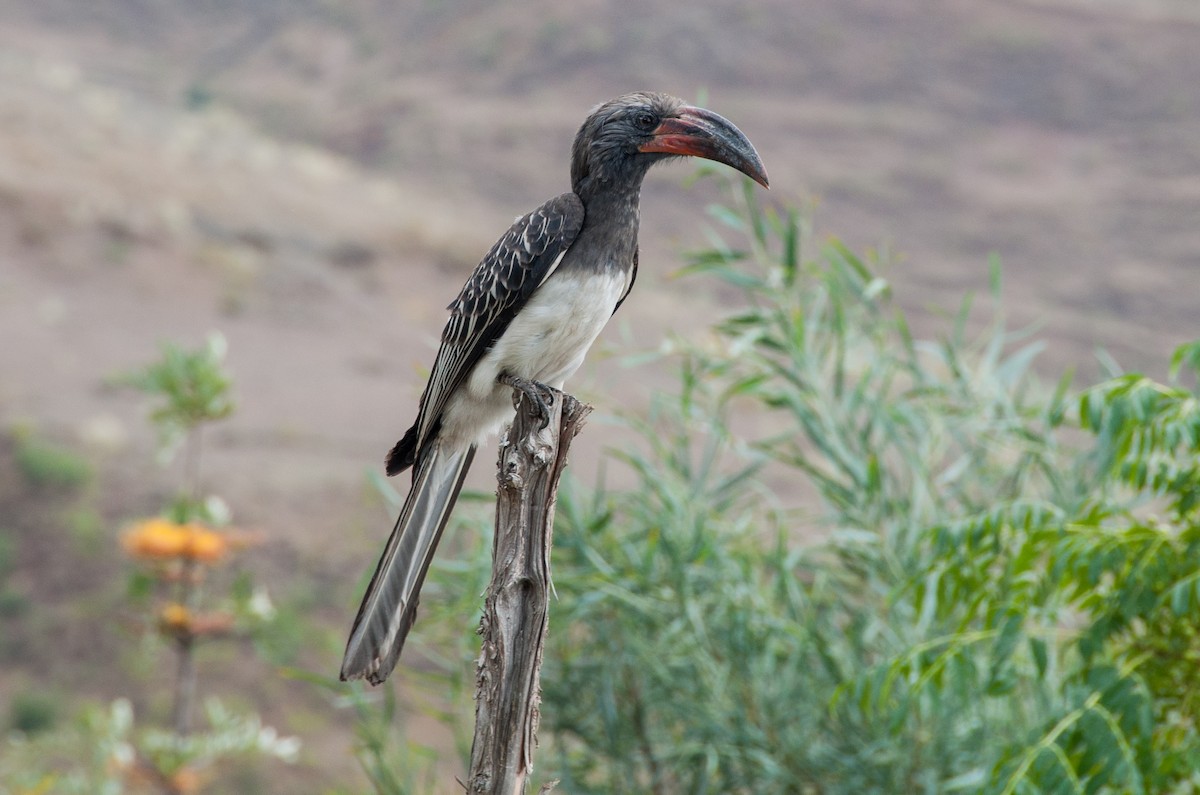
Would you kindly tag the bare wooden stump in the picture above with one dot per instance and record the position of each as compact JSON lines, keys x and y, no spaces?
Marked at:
{"x":516,"y":610}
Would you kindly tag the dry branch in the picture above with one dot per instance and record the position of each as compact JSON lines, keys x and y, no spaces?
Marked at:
{"x":516,"y":610}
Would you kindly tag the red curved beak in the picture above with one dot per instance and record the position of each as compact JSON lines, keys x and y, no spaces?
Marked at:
{"x":701,"y":133}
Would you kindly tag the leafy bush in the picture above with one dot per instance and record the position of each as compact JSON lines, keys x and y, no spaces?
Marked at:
{"x":1112,"y":579}
{"x":105,"y":753}
{"x":988,"y":586}
{"x":32,"y":713}
{"x":44,"y":464}
{"x":991,"y":609}
{"x":705,"y":642}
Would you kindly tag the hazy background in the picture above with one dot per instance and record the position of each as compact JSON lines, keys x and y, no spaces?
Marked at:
{"x":316,"y":179}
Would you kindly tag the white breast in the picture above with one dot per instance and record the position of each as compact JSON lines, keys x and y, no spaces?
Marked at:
{"x":546,"y":342}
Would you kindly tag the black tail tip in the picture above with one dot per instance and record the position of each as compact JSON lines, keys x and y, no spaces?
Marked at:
{"x":402,"y":456}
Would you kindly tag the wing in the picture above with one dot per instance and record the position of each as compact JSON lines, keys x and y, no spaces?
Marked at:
{"x":632,"y":279}
{"x":501,"y":284}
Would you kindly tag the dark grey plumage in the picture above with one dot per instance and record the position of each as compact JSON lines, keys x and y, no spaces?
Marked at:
{"x":527,"y":315}
{"x":518,"y":262}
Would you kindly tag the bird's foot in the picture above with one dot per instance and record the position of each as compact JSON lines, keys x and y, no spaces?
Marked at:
{"x":540,"y":395}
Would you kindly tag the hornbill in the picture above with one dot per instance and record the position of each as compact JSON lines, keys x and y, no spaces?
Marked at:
{"x":524,"y":321}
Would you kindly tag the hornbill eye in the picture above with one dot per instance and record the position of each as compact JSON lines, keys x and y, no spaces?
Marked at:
{"x":645,"y":120}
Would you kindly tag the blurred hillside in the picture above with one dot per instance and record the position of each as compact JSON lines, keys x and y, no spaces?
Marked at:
{"x":316,"y":178}
{"x":1059,"y":134}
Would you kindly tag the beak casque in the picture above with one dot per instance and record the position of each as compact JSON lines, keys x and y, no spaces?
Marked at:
{"x":701,"y":133}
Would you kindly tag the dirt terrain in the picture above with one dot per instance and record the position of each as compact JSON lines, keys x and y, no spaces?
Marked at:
{"x":315,"y":180}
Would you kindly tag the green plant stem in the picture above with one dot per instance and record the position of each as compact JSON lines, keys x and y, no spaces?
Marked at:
{"x":191,"y":465}
{"x":185,"y":685}
{"x":185,"y":671}
{"x":639,"y":718}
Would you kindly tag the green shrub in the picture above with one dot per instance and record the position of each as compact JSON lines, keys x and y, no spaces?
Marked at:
{"x":989,"y":586}
{"x":706,"y":640}
{"x":32,"y":713}
{"x":43,"y":464}
{"x":992,"y":610}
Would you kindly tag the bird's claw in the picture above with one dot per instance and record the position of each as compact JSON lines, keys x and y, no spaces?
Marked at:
{"x":540,"y":395}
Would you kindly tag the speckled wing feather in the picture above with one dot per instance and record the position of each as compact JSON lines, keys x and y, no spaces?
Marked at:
{"x":501,"y":284}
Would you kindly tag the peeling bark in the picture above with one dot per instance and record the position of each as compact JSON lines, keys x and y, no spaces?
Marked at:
{"x":516,"y":609}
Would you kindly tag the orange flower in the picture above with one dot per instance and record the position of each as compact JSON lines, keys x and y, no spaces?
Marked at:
{"x":175,"y":621}
{"x":155,"y":538}
{"x":205,"y":545}
{"x":175,"y":618}
{"x":159,"y":539}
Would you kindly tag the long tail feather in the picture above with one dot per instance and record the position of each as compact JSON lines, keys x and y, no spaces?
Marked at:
{"x":390,"y":605}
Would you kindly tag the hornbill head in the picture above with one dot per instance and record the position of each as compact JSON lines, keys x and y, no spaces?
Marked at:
{"x":621,"y":139}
